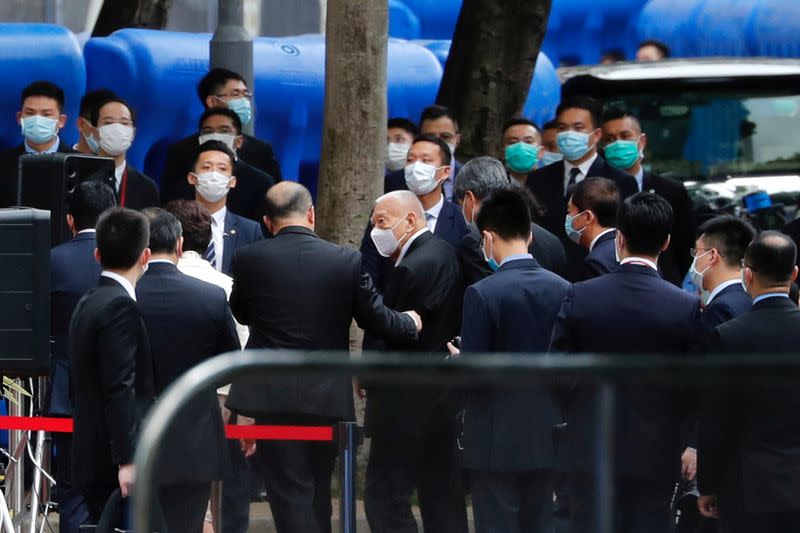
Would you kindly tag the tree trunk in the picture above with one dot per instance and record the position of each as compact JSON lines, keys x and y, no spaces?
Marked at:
{"x":118,"y":14}
{"x":490,"y":67}
{"x":354,"y":126}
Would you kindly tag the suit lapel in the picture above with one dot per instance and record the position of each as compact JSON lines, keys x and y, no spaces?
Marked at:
{"x":445,"y":222}
{"x":419,"y":241}
{"x":597,"y":169}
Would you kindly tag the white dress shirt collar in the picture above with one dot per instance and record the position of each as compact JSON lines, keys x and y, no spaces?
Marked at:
{"x":583,"y":167}
{"x":721,"y":287}
{"x":164,"y":261}
{"x":122,"y":281}
{"x":90,"y":230}
{"x":119,"y":171}
{"x":219,"y":216}
{"x":639,"y":260}
{"x":404,"y":249}
{"x":639,"y":177}
{"x":594,"y":241}
{"x":515,"y":257}
{"x":53,"y":149}
{"x":432,"y":214}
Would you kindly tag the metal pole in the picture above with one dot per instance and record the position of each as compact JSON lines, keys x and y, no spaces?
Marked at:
{"x":232,"y":47}
{"x":604,"y":459}
{"x":15,"y":494}
{"x":348,"y":445}
{"x":37,"y":479}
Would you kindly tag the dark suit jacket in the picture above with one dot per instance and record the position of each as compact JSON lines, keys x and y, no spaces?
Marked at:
{"x":728,"y":304}
{"x":547,"y":185}
{"x":450,"y":227}
{"x":512,"y":311}
{"x":427,"y":280}
{"x":603,"y":257}
{"x":188,"y":321}
{"x":73,"y":272}
{"x":792,"y":229}
{"x":239,"y":232}
{"x":182,"y":154}
{"x":299,"y":292}
{"x":545,"y":248}
{"x":9,"y":170}
{"x":111,"y":381}
{"x":141,"y":191}
{"x":675,"y":262}
{"x":750,"y":435}
{"x":396,"y":180}
{"x":629,"y":311}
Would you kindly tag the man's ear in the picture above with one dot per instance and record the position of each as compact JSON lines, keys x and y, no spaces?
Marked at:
{"x":642,"y":142}
{"x":232,"y":183}
{"x":238,"y":142}
{"x":19,"y":118}
{"x":312,"y":215}
{"x":179,"y":247}
{"x":97,"y":256}
{"x":62,"y":120}
{"x":666,"y":243}
{"x":71,"y":223}
{"x":269,"y":225}
{"x":211,"y":102}
{"x":191,"y":178}
{"x":146,"y":256}
{"x":794,"y":274}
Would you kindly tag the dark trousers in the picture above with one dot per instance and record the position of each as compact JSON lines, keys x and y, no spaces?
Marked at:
{"x":735,"y":521}
{"x":512,"y":502}
{"x":428,"y":463}
{"x":72,"y":509}
{"x":236,"y":491}
{"x":297,"y":476}
{"x":184,"y":506}
{"x":96,"y":498}
{"x":639,"y":506}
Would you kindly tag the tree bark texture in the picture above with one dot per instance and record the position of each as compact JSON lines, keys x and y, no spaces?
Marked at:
{"x":354,"y":125}
{"x":118,"y":14}
{"x":490,"y":68}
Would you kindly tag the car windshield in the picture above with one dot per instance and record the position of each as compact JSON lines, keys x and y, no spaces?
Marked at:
{"x":703,"y":136}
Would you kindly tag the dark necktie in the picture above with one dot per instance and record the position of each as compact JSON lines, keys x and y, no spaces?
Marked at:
{"x":211,"y":254}
{"x":573,"y":175}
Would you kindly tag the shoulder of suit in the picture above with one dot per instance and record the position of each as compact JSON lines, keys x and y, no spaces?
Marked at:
{"x":256,"y":143}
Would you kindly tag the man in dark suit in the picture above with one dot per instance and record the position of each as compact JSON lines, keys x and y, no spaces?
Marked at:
{"x":41,"y":117}
{"x":630,"y":311}
{"x":296,"y":291}
{"x":749,"y":467}
{"x":591,"y":222}
{"x":413,"y":428}
{"x":110,"y":363}
{"x":428,"y":169}
{"x":479,"y":178}
{"x":511,"y":463}
{"x":247,"y":198}
{"x":579,"y":134}
{"x":219,"y":88}
{"x":115,"y":128}
{"x":188,"y":321}
{"x":73,"y":271}
{"x":623,"y":144}
{"x":212,"y":178}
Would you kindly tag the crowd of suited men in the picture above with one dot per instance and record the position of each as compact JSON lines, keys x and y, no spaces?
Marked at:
{"x":551,"y":247}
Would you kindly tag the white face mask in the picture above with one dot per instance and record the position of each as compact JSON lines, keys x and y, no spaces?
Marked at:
{"x":421,"y":177}
{"x":115,"y":139}
{"x":396,"y":154}
{"x":213,"y":186}
{"x":227,"y":138}
{"x":385,"y":241}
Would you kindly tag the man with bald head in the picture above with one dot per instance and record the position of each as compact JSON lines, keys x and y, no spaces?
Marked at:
{"x":413,"y":428}
{"x":299,"y":292}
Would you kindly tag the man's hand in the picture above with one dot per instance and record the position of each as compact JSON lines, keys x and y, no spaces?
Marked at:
{"x":455,"y":353}
{"x":358,"y":389}
{"x":417,"y":319}
{"x":689,"y":464}
{"x":248,"y":446}
{"x":126,"y":476}
{"x":707,"y":505}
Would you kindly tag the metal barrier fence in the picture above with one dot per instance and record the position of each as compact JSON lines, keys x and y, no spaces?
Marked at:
{"x":473,"y":370}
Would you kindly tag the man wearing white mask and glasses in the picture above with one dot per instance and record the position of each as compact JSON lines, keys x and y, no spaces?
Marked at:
{"x":212,"y":178}
{"x":114,"y":126}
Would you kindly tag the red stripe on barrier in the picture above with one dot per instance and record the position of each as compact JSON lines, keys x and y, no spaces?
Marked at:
{"x":300,"y":433}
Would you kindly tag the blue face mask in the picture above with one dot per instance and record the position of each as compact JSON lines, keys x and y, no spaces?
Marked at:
{"x":548,"y":158}
{"x":488,"y":258}
{"x":521,"y":157}
{"x":573,"y":144}
{"x":622,"y":154}
{"x":92,"y":143}
{"x":38,"y":129}
{"x":573,"y":234}
{"x":243,"y":108}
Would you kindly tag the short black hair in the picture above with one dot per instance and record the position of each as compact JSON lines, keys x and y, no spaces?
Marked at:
{"x":87,"y":201}
{"x":550,"y":125}
{"x":447,"y":157}
{"x":771,"y":256}
{"x":224,"y":111}
{"x":645,"y":219}
{"x":617,"y":113}
{"x":195,"y":223}
{"x":214,"y":146}
{"x":215,"y":80}
{"x":403,"y":124}
{"x":165,"y":230}
{"x":297,"y":203}
{"x":435,"y":112}
{"x":44,"y":88}
{"x":94,"y":100}
{"x":586,"y":103}
{"x":506,"y":213}
{"x":660,"y":45}
{"x":600,"y":196}
{"x":520,"y":121}
{"x":94,"y":114}
{"x":122,"y":236}
{"x":616,"y":55}
{"x":730,"y":236}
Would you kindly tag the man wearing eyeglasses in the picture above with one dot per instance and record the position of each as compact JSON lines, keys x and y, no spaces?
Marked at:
{"x":227,"y":89}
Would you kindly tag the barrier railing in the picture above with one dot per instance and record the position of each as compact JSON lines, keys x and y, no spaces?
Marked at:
{"x":474,"y":370}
